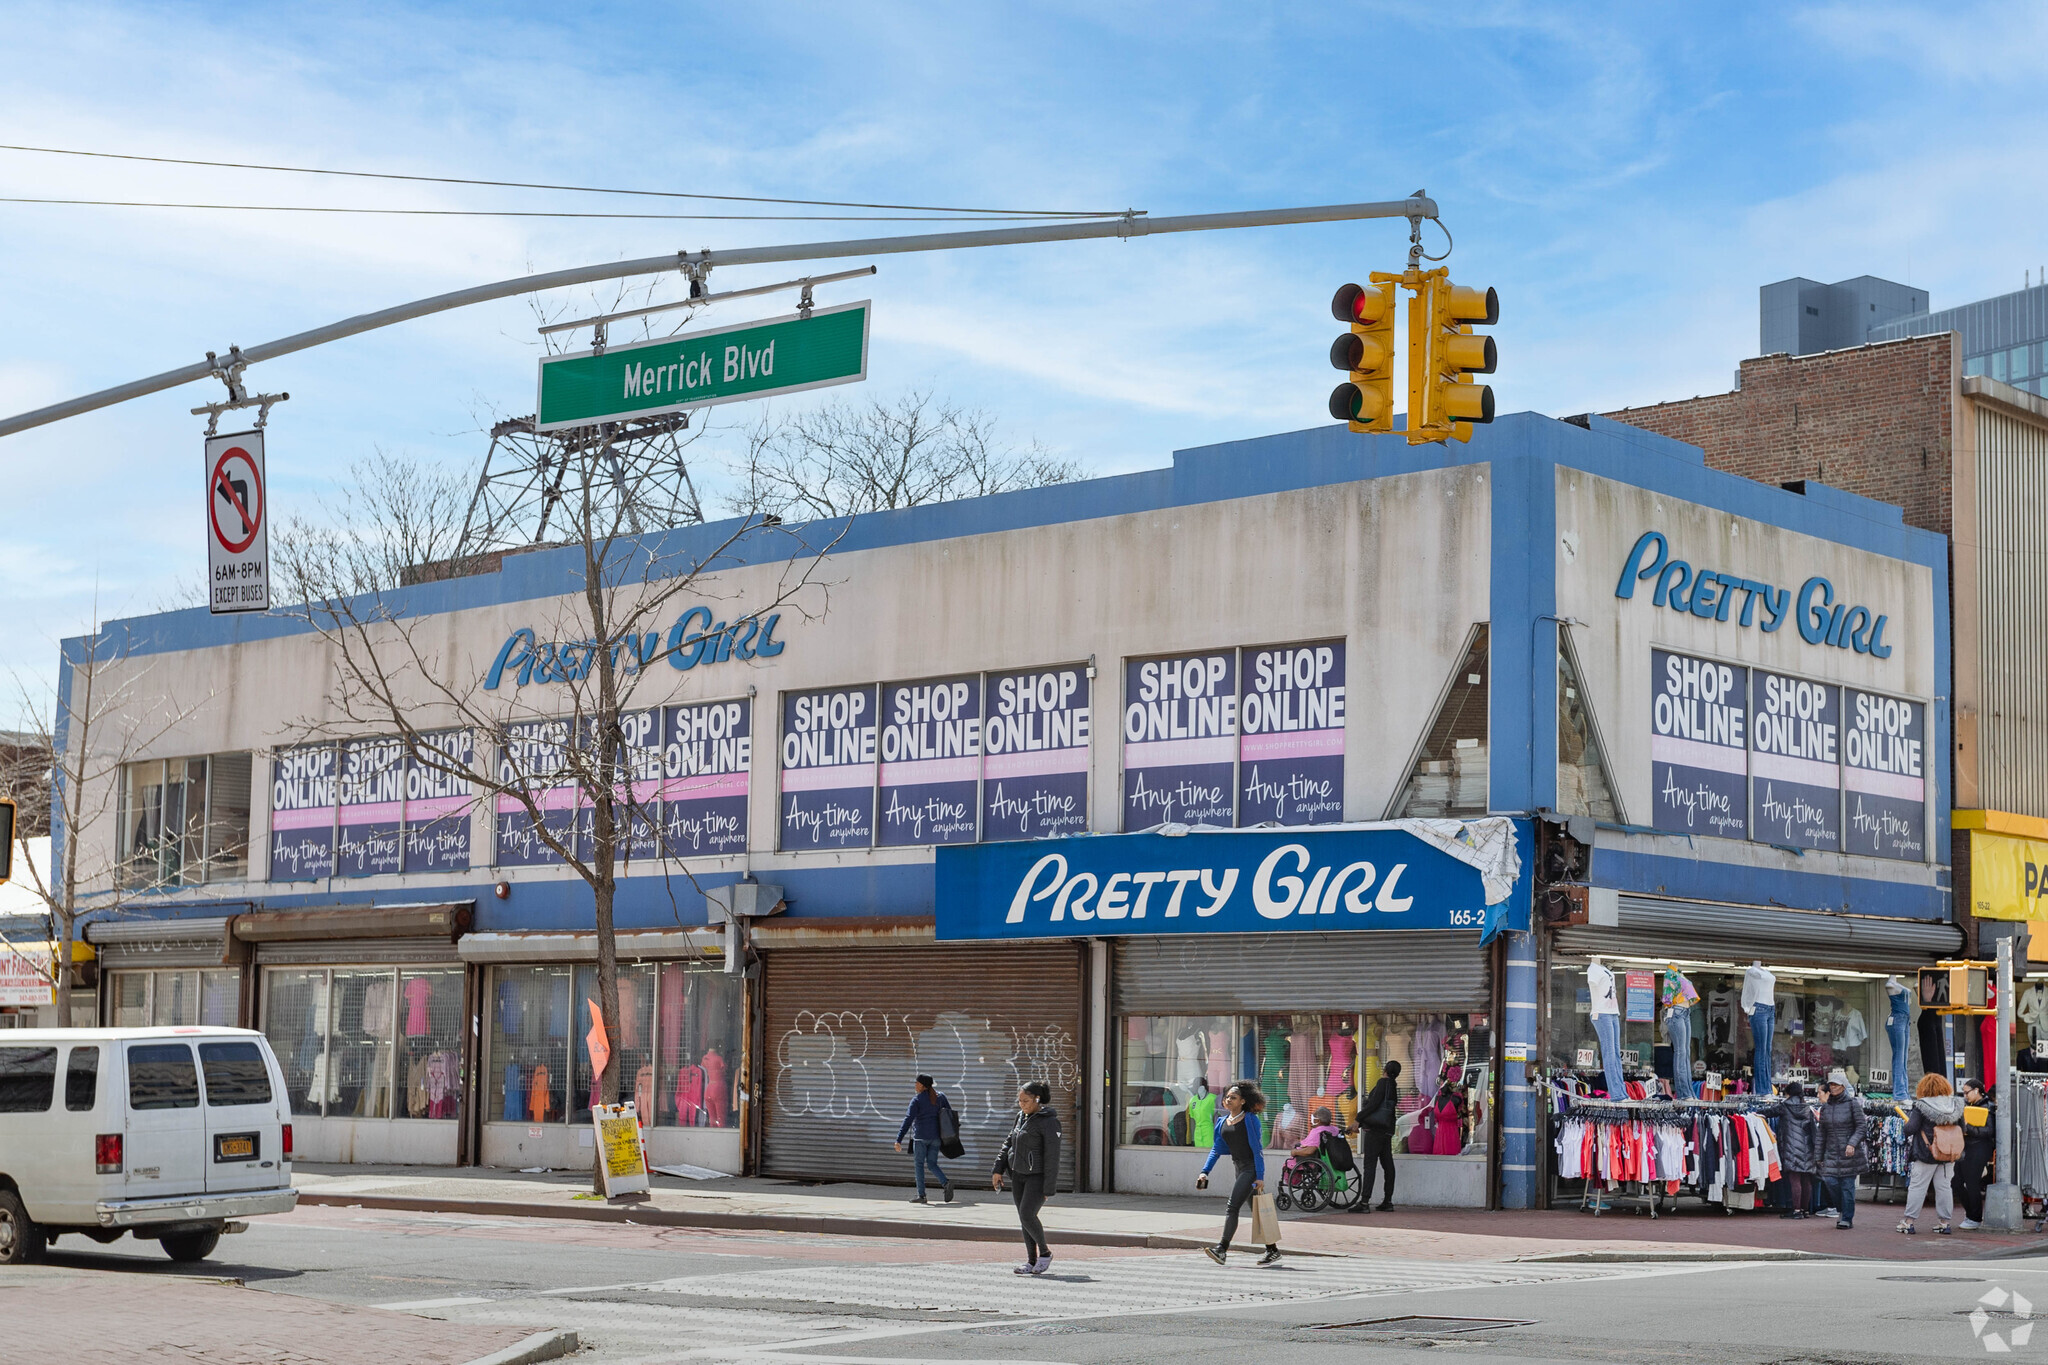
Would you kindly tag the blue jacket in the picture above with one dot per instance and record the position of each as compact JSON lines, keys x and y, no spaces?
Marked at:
{"x":1222,"y":1148}
{"x":922,"y":1120}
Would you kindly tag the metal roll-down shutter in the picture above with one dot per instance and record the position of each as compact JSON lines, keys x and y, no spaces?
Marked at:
{"x":1279,"y":973}
{"x":848,"y":1028}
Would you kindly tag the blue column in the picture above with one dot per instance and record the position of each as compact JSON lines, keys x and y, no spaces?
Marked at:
{"x":1519,"y":1119}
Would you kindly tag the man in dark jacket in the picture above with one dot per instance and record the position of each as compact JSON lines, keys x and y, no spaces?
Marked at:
{"x":1376,"y":1115}
{"x":922,"y":1124}
{"x":1843,"y":1148}
{"x":1030,"y":1156}
{"x":1980,"y":1149}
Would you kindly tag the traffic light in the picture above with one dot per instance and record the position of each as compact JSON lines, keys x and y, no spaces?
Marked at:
{"x":1444,"y":354}
{"x":1366,"y":400}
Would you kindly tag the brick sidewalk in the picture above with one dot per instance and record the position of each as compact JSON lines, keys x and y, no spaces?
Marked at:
{"x":96,"y":1316}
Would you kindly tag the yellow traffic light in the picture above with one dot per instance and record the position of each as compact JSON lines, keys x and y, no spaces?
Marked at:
{"x":1366,"y":400}
{"x":1444,"y":354}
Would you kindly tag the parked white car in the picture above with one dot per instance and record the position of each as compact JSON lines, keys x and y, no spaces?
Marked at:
{"x":173,"y":1134}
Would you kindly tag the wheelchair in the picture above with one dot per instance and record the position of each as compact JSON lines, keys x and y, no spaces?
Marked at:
{"x":1329,"y":1179}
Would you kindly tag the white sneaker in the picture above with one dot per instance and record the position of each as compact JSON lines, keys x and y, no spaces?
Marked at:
{"x":1028,"y":1268}
{"x":1968,"y":1225}
{"x":1044,"y":1264}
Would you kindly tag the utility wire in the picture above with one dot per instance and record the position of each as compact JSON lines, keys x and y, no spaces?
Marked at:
{"x":574,"y":189}
{"x":538,"y":213}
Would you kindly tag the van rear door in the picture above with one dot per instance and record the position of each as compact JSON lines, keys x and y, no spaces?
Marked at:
{"x":166,"y":1146}
{"x":243,"y":1133}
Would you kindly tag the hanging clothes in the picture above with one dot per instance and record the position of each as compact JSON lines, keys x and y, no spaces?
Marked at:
{"x":515,"y":1093}
{"x":715,"y":1089}
{"x":1301,"y":1067}
{"x":629,"y":1011}
{"x":539,"y":1099}
{"x":1343,"y":1059}
{"x":1273,"y":1069}
{"x":1427,"y":1051}
{"x":1189,"y":1062}
{"x":1219,"y":1061}
{"x":670,"y":1000}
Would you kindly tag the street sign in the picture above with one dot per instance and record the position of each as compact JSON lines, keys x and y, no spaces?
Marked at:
{"x":699,"y":369}
{"x":237,"y":524}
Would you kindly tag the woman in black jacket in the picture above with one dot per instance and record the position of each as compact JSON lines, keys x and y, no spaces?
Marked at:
{"x":1798,"y":1151}
{"x":1844,"y":1149}
{"x":1030,"y":1156}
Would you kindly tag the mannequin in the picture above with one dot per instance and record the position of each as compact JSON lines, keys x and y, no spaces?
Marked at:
{"x":1679,"y":996}
{"x":1606,"y":1024}
{"x":1189,"y":1064}
{"x":1343,"y":1059}
{"x":1759,"y":1003}
{"x":1901,"y":1008}
{"x":1202,"y":1116}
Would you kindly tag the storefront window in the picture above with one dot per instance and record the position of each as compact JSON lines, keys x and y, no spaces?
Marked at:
{"x":699,"y":1035}
{"x":678,"y":1044}
{"x":295,"y":1021}
{"x":343,"y":1036}
{"x":1824,"y":1020}
{"x":1176,"y":1067}
{"x":176,"y":999}
{"x":529,"y":1071}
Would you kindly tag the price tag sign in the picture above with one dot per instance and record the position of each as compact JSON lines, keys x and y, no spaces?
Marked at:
{"x":1586,"y":1061}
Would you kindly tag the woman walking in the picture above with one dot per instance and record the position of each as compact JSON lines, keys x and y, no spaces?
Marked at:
{"x":1030,"y":1156}
{"x":1935,"y":1131}
{"x":1843,"y":1149}
{"x":1238,"y":1134}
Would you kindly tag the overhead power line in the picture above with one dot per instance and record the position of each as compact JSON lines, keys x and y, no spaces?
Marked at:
{"x":569,"y":189}
{"x":542,"y":213}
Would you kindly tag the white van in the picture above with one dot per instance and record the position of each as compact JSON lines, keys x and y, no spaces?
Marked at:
{"x":168,"y":1133}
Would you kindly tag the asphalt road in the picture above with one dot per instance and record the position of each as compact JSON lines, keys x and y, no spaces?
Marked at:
{"x":661,"y":1294}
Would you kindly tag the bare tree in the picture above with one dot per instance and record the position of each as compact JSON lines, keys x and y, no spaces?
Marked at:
{"x":846,"y":458}
{"x":109,"y":717}
{"x":396,"y":677}
{"x":392,"y":515}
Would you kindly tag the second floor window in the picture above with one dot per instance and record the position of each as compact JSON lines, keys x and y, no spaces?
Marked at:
{"x":183,"y":821}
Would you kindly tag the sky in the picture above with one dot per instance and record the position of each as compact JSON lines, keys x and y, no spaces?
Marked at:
{"x":1625,"y":176}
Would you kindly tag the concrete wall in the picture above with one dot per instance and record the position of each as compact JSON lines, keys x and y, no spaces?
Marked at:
{"x":1397,"y":565}
{"x":566,"y":1146}
{"x":1452,"y":1182}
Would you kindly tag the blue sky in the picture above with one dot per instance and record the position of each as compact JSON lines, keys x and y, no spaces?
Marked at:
{"x":1625,"y":176}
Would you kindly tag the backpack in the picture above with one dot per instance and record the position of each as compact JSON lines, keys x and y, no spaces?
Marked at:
{"x":949,"y":1132}
{"x":1337,"y":1152}
{"x":1945,"y":1142}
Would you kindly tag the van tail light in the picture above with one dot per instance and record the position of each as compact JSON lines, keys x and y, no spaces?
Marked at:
{"x":106,"y":1153}
{"x":287,"y":1142}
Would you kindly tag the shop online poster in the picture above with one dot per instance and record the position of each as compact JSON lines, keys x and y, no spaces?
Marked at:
{"x":1034,"y":762}
{"x":1795,"y":731}
{"x":1180,"y":740}
{"x":1699,"y":759}
{"x":1291,"y":742}
{"x":438,"y":804}
{"x":635,"y":804}
{"x":828,"y":768}
{"x":371,"y":840}
{"x":707,"y":753}
{"x":534,"y":752}
{"x":1884,"y":798}
{"x":302,"y":801}
{"x":931,"y":761}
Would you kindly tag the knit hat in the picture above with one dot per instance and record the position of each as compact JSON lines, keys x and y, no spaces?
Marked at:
{"x":1838,"y":1077}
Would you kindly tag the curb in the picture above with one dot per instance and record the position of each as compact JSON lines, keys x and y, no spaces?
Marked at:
{"x":1737,"y":1255}
{"x":645,"y":1216}
{"x":539,"y":1346}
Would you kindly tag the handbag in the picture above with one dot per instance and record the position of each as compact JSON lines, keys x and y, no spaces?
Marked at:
{"x":949,"y":1133}
{"x":1265,"y":1220}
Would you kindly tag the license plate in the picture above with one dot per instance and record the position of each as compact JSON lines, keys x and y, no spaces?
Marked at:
{"x":234,"y":1147}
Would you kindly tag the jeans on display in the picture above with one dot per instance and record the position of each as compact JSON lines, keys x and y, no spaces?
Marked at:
{"x":925,"y":1155}
{"x":1935,"y":1173}
{"x":1932,"y":1047}
{"x":1895,"y":1030}
{"x":1841,"y":1195}
{"x":1607,"y":1027}
{"x":1763,"y":1023}
{"x":1678,"y":1028}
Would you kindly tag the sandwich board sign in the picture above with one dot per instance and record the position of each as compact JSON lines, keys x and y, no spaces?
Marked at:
{"x":622,"y":1151}
{"x":700,"y":369}
{"x":237,"y":524}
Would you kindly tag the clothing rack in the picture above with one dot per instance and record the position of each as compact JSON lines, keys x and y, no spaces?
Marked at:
{"x":1565,"y":1104}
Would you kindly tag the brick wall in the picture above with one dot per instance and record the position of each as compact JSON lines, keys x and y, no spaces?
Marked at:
{"x":1875,"y":421}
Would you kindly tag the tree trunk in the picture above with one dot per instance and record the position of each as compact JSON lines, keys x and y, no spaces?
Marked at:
{"x":60,"y":966}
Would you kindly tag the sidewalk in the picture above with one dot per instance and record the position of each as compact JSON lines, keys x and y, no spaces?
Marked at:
{"x":1107,"y":1220}
{"x":117,"y":1317}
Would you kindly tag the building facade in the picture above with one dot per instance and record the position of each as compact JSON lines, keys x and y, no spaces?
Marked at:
{"x":1138,"y":786}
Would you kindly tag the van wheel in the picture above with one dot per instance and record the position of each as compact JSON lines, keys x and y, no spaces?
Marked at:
{"x":21,"y":1240}
{"x":189,"y":1246}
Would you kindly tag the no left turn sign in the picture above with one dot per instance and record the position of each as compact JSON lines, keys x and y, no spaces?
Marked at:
{"x":237,"y":531}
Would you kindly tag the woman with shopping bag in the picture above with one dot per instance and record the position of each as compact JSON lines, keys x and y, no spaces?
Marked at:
{"x":1239,"y":1135}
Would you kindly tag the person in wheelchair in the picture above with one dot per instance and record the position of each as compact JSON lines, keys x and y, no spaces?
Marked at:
{"x":1311,"y":1142}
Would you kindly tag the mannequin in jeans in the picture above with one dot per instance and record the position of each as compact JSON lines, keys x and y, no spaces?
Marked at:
{"x":1606,"y":1024}
{"x":1895,"y":1030}
{"x":1679,"y":996}
{"x":1758,"y":996}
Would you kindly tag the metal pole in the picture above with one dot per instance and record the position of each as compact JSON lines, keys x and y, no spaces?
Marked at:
{"x":1416,"y":206}
{"x":2002,"y":1201}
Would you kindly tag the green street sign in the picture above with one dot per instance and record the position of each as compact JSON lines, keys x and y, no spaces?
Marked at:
{"x":698,"y":369}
